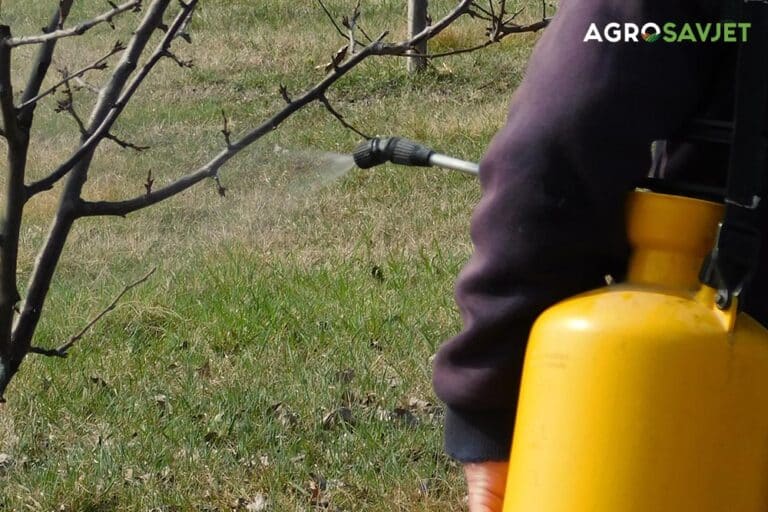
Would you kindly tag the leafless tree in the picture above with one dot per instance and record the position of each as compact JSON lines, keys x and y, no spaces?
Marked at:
{"x":19,"y":316}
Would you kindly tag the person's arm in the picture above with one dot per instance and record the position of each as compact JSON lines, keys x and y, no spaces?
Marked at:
{"x":550,"y":223}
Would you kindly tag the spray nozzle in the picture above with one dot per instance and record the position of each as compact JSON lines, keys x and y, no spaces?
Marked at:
{"x":402,"y":151}
{"x":397,"y":150}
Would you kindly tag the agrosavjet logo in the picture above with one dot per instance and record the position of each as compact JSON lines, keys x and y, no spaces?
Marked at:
{"x":726,"y":32}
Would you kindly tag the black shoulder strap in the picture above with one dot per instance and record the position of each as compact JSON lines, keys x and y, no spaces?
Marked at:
{"x":734,"y":258}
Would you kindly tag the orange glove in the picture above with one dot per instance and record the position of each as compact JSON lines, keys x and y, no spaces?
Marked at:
{"x":485,"y":485}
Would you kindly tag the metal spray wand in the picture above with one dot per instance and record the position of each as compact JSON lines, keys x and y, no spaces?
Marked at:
{"x":402,"y":151}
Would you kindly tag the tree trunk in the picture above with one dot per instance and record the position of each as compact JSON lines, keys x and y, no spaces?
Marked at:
{"x":417,"y":21}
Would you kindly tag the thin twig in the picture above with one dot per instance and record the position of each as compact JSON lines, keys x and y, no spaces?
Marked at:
{"x":125,"y":144}
{"x":180,"y":62}
{"x":68,"y":105}
{"x":98,"y":65}
{"x":220,"y":189}
{"x":519,"y":29}
{"x":82,"y":84}
{"x":63,"y":350}
{"x":225,"y":130}
{"x":336,"y":25}
{"x":351,"y":25}
{"x":490,"y":14}
{"x":513,"y":16}
{"x":331,"y":18}
{"x":284,"y":93}
{"x":448,"y":53}
{"x":150,"y":181}
{"x":365,"y":34}
{"x":77,"y":29}
{"x":327,"y":104}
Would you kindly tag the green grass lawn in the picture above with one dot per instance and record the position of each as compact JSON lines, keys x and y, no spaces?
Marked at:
{"x":282,"y":350}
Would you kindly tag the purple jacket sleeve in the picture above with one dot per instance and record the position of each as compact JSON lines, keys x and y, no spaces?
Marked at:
{"x":550,"y":223}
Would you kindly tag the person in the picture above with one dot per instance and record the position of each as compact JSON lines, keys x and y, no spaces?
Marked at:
{"x":550,"y":223}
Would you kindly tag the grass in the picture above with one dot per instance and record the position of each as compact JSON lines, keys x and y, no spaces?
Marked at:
{"x":282,"y":350}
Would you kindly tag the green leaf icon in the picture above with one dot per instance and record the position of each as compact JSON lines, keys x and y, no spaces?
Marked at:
{"x":652,"y":38}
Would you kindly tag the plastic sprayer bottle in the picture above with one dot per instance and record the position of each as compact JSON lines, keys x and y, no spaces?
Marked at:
{"x":645,"y":396}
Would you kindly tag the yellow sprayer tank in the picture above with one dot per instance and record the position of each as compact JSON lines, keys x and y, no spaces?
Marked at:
{"x":644,"y":396}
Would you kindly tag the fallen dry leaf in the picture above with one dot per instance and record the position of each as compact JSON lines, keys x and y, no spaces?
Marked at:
{"x":345,"y":376}
{"x":259,"y":503}
{"x":339,"y":416}
{"x":317,"y":487}
{"x":284,"y":415}
{"x":337,"y":59}
{"x":418,"y":404}
{"x":405,"y":416}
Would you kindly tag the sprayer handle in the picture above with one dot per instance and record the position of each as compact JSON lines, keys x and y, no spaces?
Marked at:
{"x":407,"y":152}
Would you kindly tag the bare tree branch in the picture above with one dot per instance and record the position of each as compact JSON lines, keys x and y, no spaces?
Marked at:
{"x":50,"y":253}
{"x":211,"y":169}
{"x":17,"y":129}
{"x":42,"y":64}
{"x":487,"y":14}
{"x":98,"y":134}
{"x":98,"y":65}
{"x":183,"y":31}
{"x":429,"y":32}
{"x":10,"y":123}
{"x":12,"y":214}
{"x":63,"y":350}
{"x":77,"y":29}
{"x":349,"y":35}
{"x":493,"y":39}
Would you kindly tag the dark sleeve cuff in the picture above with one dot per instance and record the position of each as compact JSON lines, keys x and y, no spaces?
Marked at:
{"x":478,"y":436}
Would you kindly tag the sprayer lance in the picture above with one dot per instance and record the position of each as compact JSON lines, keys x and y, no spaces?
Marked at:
{"x":402,"y":151}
